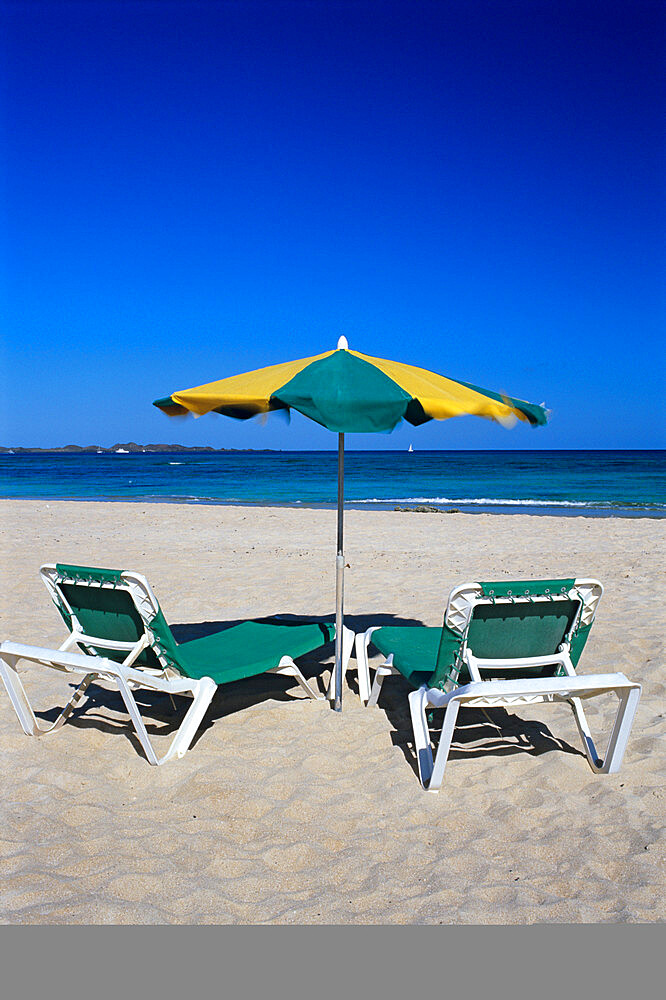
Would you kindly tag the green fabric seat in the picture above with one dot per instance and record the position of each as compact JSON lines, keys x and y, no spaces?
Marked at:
{"x":249,"y":648}
{"x":414,"y":649}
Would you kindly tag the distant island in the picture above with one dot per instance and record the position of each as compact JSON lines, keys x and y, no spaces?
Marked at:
{"x":130,"y":447}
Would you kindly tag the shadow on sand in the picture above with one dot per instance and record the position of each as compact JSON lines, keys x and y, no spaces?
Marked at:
{"x":479,"y":732}
{"x":162,"y":715}
{"x":490,"y":732}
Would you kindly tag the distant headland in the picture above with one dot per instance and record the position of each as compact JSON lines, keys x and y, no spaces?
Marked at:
{"x":129,"y":448}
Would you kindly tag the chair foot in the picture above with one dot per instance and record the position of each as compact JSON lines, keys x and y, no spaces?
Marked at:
{"x":628,"y":699}
{"x":288,"y":668}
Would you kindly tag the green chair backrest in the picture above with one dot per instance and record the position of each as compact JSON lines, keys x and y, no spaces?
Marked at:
{"x":515,"y":630}
{"x":105,"y":609}
{"x":511,"y":629}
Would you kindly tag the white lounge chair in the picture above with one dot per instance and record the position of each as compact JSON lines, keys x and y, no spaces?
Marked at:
{"x":122,"y":636}
{"x":502,"y":644}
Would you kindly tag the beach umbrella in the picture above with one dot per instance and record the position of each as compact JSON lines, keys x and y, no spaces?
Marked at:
{"x":349,"y":392}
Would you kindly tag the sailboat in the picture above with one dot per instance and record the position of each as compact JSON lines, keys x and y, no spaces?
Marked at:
{"x":410,"y":448}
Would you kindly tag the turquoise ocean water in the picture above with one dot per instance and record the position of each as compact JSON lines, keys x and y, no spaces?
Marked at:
{"x":591,"y":483}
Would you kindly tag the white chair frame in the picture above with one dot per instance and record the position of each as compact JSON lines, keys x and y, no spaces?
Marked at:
{"x":124,"y":676}
{"x":348,"y":638}
{"x":479,"y":693}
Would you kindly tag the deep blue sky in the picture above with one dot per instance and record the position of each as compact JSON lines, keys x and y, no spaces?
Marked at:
{"x":197,"y":189}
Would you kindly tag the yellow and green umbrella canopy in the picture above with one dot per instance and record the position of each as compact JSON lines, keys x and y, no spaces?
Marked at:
{"x":349,"y":392}
{"x":346,"y":391}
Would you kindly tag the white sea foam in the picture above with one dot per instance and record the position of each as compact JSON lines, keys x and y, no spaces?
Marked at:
{"x":485,"y":501}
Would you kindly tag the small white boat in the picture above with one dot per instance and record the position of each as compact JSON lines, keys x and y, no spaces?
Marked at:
{"x":410,"y":448}
{"x":121,"y":451}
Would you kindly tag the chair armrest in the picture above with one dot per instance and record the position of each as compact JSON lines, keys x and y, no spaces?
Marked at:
{"x":477,"y":664}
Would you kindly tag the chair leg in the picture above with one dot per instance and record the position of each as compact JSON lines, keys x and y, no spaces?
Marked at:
{"x":288,"y":668}
{"x":384,"y":670}
{"x":628,"y":700}
{"x":585,"y":734}
{"x":362,"y":667}
{"x":621,"y":729}
{"x":17,"y":695}
{"x":347,"y":647}
{"x":376,"y":687}
{"x":422,"y":744}
{"x":363,"y":640}
{"x":73,"y":702}
{"x":442,"y":755}
{"x":348,"y":638}
{"x":203,"y":695}
{"x":431,"y":774}
{"x":202,"y":692}
{"x":19,"y":699}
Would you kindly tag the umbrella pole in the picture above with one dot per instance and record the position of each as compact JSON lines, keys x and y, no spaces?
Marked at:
{"x":339,"y":575}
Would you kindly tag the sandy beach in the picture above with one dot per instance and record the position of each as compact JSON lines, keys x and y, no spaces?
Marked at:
{"x":286,"y":812}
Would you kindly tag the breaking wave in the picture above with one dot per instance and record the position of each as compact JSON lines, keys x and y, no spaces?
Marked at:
{"x":496,"y":502}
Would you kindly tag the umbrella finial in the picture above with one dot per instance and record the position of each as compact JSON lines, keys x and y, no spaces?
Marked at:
{"x":342,"y":344}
